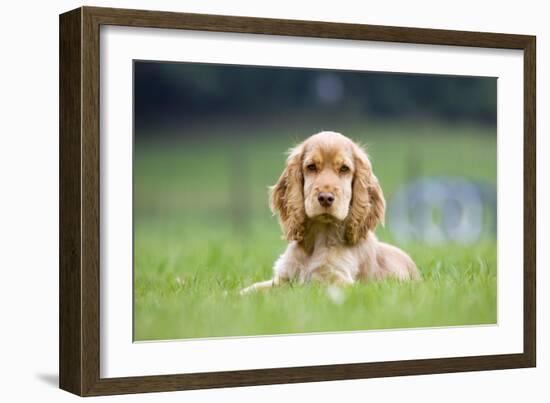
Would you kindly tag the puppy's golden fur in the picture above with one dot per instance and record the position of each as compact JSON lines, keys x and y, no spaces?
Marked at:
{"x":329,"y":203}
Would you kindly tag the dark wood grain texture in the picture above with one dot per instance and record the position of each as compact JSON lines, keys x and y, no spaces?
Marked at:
{"x":90,"y":202}
{"x":530,"y":202}
{"x":80,"y":200}
{"x":70,"y":230}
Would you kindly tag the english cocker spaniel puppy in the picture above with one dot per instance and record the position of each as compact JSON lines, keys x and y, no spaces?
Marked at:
{"x":329,"y":202}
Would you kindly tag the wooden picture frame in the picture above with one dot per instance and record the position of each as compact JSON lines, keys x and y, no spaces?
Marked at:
{"x":79,"y":279}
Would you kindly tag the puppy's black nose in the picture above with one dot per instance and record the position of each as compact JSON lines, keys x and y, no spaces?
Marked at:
{"x":325,"y":199}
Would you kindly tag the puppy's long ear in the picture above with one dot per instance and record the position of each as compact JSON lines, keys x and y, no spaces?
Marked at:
{"x":367,"y":201}
{"x":287,"y":197}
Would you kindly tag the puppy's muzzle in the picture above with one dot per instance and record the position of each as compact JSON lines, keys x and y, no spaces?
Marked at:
{"x":325,"y":199}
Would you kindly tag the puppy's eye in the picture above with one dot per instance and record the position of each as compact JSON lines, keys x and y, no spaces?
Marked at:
{"x":344,"y":168}
{"x":311,"y":167}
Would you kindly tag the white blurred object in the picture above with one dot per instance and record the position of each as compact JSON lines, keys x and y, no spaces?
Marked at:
{"x":335,"y":294}
{"x":439,"y":210}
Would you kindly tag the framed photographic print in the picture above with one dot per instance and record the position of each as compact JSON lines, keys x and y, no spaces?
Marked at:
{"x":249,"y":201}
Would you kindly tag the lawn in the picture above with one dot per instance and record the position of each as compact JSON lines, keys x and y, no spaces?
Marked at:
{"x":203,"y":231}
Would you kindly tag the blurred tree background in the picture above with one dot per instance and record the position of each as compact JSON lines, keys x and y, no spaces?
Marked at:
{"x":178,"y":95}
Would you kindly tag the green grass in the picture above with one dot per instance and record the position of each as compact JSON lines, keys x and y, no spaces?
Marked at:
{"x":203,"y":231}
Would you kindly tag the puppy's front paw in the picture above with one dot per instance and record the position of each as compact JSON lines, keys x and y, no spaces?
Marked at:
{"x":248,"y":290}
{"x":262,"y":285}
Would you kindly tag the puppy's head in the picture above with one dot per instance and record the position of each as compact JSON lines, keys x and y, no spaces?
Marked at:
{"x":328,"y":178}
